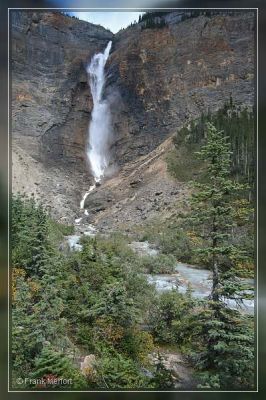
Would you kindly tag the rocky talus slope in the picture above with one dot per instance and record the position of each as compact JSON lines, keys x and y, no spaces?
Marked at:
{"x":138,"y":193}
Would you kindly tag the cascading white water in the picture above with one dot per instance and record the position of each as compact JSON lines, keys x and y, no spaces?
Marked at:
{"x":85,"y":196}
{"x":100,"y":125}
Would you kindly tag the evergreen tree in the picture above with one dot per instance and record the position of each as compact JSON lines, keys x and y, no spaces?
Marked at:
{"x":26,"y":343}
{"x":238,"y":123}
{"x":163,"y":379}
{"x":226,"y":359}
{"x":29,"y":234}
{"x":118,"y":372}
{"x":53,"y":365}
{"x":50,"y":305}
{"x":94,"y":297}
{"x":39,"y":286}
{"x":214,"y":206}
{"x":213,"y":215}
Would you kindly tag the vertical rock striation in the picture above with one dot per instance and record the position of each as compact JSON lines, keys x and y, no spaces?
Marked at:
{"x":51,"y":100}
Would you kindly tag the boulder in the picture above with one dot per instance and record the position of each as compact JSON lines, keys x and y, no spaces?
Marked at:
{"x":87,"y":366}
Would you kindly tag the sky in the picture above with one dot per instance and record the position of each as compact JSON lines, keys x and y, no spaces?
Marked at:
{"x":114,"y":21}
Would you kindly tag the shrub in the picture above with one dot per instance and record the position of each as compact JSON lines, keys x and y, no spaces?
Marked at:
{"x":161,"y":264}
{"x":172,"y":317}
{"x":52,"y":363}
{"x":118,"y":372}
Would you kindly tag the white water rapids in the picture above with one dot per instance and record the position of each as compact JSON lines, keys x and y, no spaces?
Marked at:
{"x":100,"y":125}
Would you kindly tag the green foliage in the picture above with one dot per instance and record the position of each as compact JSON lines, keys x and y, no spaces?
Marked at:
{"x":55,"y":365}
{"x":95,"y":298}
{"x":196,"y":13}
{"x":162,"y":377}
{"x":152,"y":14}
{"x":239,"y":126}
{"x":181,"y":165}
{"x":97,"y":301}
{"x":137,"y":344}
{"x":214,"y":206}
{"x":25,"y":343}
{"x":161,"y":264}
{"x":33,"y":234}
{"x":227,"y":358}
{"x":57,"y":231}
{"x":29,"y":234}
{"x":175,"y":240}
{"x":152,"y":20}
{"x":106,"y":282}
{"x":189,"y":13}
{"x":118,"y":372}
{"x":37,"y":301}
{"x":171,"y":317}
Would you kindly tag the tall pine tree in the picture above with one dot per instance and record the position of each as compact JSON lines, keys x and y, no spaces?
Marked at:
{"x":215,"y":205}
{"x":228,"y":336}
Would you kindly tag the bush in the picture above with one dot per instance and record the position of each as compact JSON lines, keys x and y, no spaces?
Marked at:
{"x":53,"y":364}
{"x":161,"y":264}
{"x":172,"y":318}
{"x":115,"y":371}
{"x":138,"y":344}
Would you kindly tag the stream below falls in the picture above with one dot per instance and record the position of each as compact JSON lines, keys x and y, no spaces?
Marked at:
{"x":200,"y":283}
{"x":199,"y":279}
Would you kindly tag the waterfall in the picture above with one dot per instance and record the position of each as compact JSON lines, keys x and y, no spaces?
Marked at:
{"x":100,"y":125}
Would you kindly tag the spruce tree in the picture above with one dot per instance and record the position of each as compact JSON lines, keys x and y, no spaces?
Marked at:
{"x":214,"y":207}
{"x":26,"y":343}
{"x":163,"y":378}
{"x":29,"y":234}
{"x":52,"y":365}
{"x":228,"y":338}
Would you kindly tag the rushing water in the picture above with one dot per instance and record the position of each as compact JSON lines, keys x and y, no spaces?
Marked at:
{"x":200,"y":282}
{"x":100,"y":125}
{"x":73,"y":242}
{"x":85,"y":196}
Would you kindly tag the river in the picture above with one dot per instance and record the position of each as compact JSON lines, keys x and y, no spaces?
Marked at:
{"x":200,"y":282}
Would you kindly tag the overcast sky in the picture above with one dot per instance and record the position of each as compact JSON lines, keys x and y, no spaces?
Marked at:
{"x":108,"y":19}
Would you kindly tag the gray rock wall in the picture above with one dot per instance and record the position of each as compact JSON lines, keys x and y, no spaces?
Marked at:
{"x":51,"y":100}
{"x":157,"y":78}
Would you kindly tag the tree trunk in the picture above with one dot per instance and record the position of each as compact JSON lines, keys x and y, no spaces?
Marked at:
{"x":215,"y":281}
{"x":215,"y":273}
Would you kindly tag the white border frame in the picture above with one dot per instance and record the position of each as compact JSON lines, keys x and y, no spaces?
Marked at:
{"x":103,"y":9}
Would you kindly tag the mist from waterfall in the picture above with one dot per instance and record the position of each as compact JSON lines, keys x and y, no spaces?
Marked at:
{"x":100,"y":126}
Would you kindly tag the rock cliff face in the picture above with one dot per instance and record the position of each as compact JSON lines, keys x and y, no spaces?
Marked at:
{"x":168,"y":75}
{"x":157,"y":78}
{"x":51,"y":100}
